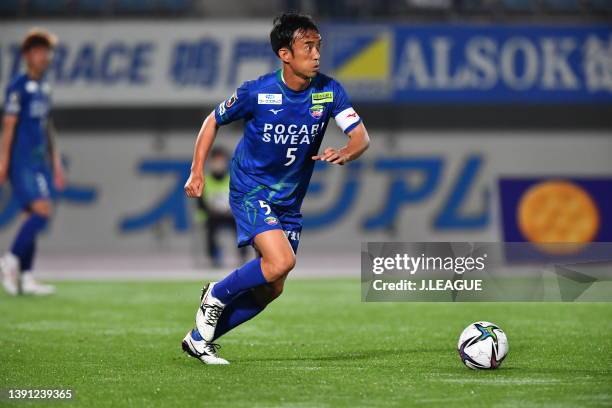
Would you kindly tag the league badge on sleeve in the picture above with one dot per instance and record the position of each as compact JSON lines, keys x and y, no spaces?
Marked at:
{"x":231,"y":101}
{"x":12,"y":103}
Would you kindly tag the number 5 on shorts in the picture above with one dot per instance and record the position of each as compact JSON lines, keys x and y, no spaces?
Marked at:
{"x":265,"y":205}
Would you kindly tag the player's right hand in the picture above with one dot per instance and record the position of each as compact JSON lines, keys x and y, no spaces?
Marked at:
{"x":3,"y":173}
{"x":194,"y":185}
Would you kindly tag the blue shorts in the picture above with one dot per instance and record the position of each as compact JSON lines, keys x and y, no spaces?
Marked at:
{"x":254,"y":215}
{"x":31,"y":184}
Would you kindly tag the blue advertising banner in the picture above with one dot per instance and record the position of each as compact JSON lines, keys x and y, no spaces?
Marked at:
{"x":154,"y":63}
{"x":562,"y":217}
{"x":472,"y":63}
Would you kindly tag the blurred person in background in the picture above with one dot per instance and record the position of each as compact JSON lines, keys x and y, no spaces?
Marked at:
{"x":214,"y":208}
{"x":30,"y":160}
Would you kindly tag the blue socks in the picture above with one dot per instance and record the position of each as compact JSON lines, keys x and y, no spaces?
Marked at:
{"x":246,"y":277}
{"x":24,"y":244}
{"x":235,"y":292}
{"x":243,"y":308}
{"x":28,"y":260}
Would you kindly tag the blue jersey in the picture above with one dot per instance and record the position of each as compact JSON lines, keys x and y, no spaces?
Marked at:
{"x":283,"y":129}
{"x":30,"y":100}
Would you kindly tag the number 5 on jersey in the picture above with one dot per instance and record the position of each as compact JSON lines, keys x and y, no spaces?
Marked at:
{"x":291,"y":155}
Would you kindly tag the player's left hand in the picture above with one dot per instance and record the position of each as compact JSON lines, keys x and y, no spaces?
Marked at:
{"x":333,"y":156}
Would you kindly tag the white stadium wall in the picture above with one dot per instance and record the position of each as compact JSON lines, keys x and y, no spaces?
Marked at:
{"x":136,"y":63}
{"x":346,"y":205}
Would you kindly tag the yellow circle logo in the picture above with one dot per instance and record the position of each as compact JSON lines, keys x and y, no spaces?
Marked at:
{"x":558,"y":211}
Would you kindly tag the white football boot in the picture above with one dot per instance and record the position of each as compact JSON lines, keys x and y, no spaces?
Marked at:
{"x":208,"y":313}
{"x":30,"y":286}
{"x":9,"y":267}
{"x":203,"y":350}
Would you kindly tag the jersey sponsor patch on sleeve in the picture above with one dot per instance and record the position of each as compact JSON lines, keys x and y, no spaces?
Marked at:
{"x":222,"y":108}
{"x":346,"y":118}
{"x":269,"y":99}
{"x":12,"y":105}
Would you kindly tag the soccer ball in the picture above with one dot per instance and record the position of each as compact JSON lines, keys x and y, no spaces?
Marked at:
{"x":482,"y":345}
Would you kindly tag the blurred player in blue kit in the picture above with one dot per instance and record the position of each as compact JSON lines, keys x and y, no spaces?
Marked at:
{"x":30,"y":160}
{"x":285,"y":116}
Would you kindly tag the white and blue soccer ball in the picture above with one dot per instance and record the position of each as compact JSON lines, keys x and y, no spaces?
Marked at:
{"x":482,"y":346}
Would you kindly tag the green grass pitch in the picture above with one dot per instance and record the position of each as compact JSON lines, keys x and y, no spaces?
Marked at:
{"x":118,"y":344}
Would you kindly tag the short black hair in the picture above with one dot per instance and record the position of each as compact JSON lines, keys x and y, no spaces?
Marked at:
{"x":38,"y":37}
{"x":285,"y":27}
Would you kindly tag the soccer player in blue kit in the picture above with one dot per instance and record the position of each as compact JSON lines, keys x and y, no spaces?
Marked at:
{"x":285,"y":116}
{"x":29,"y":158}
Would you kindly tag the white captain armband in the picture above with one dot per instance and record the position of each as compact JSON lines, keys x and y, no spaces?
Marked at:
{"x":347,"y":119}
